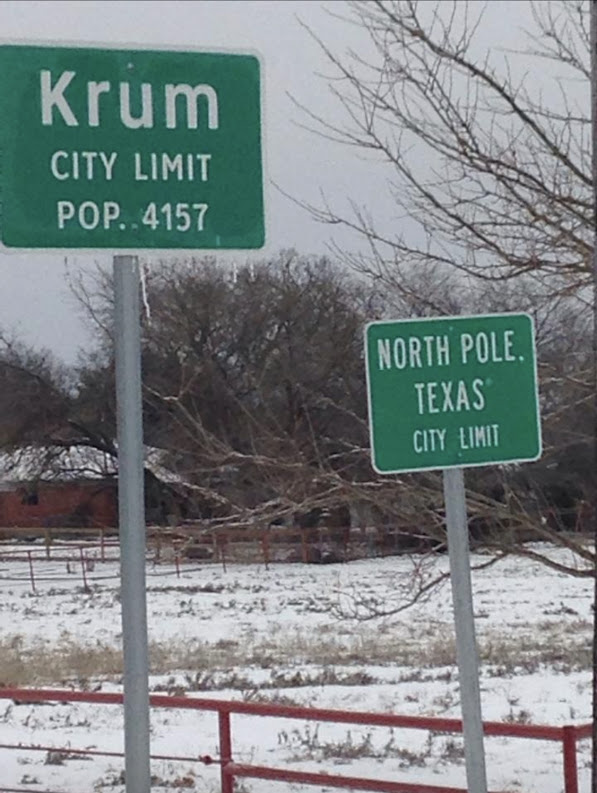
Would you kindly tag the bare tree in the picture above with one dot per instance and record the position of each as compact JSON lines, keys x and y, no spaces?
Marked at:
{"x":488,"y":163}
{"x":256,"y":373}
{"x":493,"y":174}
{"x":254,"y":384}
{"x":34,"y":394}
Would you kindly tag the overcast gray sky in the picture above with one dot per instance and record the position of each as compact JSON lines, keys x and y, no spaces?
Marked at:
{"x":33,"y":295}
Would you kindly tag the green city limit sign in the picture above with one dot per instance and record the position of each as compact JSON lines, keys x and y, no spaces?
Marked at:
{"x":128,"y":148}
{"x":450,"y":392}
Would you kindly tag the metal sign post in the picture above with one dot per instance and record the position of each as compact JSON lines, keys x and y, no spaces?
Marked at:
{"x":127,"y":342}
{"x":464,"y":623}
{"x":444,"y":393}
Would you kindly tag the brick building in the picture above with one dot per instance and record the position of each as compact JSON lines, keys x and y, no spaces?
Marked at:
{"x":45,"y":486}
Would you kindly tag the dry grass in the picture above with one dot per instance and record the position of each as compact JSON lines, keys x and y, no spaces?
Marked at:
{"x":306,"y":744}
{"x":563,"y":646}
{"x":39,"y":665}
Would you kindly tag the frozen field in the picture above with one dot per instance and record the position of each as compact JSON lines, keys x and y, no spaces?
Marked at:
{"x":288,"y":634}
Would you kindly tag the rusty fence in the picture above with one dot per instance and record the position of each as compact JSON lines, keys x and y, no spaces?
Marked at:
{"x":566,"y":736}
{"x":78,"y":552}
{"x":193,"y":543}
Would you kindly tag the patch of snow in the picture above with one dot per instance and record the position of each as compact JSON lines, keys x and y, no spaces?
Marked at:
{"x":522,"y":608}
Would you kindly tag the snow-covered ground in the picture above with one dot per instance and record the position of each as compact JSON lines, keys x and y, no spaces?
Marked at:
{"x":286,"y":634}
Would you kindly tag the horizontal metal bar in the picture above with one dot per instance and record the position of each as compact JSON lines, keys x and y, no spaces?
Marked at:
{"x":206,"y":759}
{"x":331,"y":780}
{"x":582,"y":731}
{"x":529,"y":731}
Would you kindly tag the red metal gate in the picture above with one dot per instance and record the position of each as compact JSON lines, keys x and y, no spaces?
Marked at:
{"x":567,"y":736}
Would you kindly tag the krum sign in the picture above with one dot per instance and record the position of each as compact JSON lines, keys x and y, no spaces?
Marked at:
{"x":143,"y":149}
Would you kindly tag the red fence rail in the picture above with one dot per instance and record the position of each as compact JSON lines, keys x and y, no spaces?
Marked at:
{"x":567,"y":736}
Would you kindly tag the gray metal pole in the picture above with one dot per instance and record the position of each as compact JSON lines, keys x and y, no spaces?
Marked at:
{"x":131,"y":508}
{"x":593,"y":49}
{"x":464,"y":621}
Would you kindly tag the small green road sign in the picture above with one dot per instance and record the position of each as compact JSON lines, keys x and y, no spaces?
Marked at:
{"x":451,"y":392}
{"x":129,"y":148}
